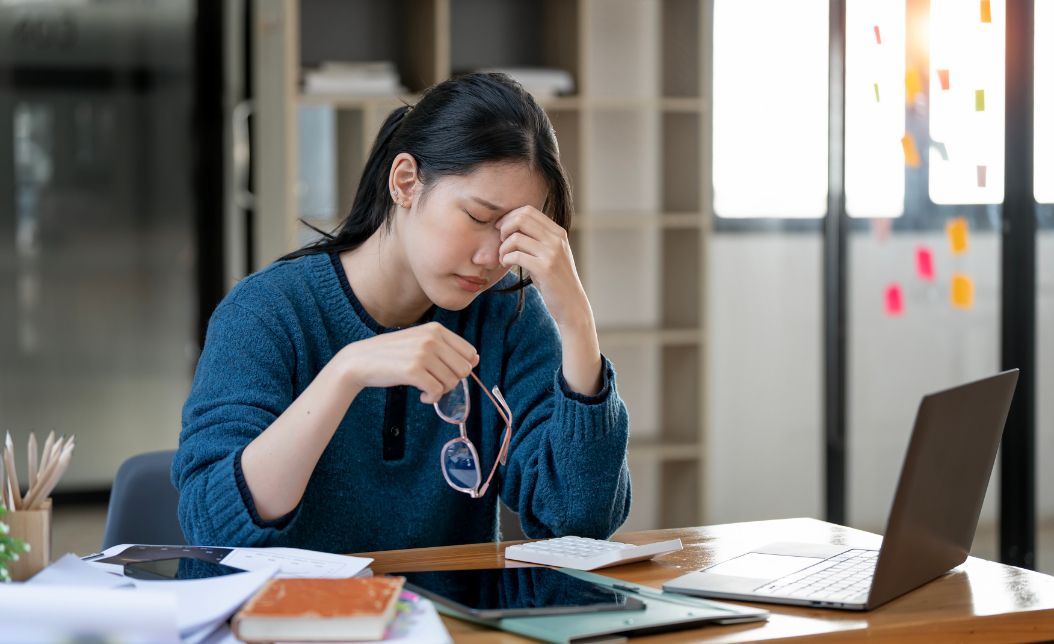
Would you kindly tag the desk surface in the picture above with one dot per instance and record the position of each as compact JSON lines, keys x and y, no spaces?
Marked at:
{"x":978,"y":601}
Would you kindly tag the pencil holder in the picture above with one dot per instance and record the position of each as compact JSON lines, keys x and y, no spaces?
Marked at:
{"x":33,"y":527}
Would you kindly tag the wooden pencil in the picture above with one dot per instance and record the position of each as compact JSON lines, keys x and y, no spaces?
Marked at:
{"x":12,"y":474}
{"x":32,"y":459}
{"x":46,"y":454}
{"x":42,"y":491}
{"x":53,"y":462}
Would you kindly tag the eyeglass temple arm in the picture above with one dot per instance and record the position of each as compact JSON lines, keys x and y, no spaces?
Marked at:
{"x":506,"y":415}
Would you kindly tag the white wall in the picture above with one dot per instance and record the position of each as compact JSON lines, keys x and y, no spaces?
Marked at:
{"x":765,"y":367}
{"x":764,"y":354}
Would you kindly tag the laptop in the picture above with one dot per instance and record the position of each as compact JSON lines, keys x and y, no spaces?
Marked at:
{"x":931,"y":526}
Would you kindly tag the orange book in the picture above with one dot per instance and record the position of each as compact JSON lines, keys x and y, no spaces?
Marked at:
{"x":319,"y":610}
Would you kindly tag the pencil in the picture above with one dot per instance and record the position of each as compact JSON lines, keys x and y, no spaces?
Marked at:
{"x":3,"y":484}
{"x":53,"y":462}
{"x":46,"y":454}
{"x":42,"y":491}
{"x":32,"y":459}
{"x":12,"y":474}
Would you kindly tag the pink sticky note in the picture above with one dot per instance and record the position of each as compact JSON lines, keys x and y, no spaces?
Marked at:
{"x":942,"y":74}
{"x":894,"y":300}
{"x":878,"y":36}
{"x":982,"y":176}
{"x":924,"y":264}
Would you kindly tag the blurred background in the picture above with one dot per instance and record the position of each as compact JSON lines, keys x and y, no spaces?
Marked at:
{"x":793,"y":219}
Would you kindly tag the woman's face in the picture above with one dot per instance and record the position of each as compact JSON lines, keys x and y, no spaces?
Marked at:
{"x":449,"y":233}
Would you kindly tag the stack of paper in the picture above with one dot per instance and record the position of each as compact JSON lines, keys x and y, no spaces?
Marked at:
{"x":541,"y":82}
{"x":354,"y":79}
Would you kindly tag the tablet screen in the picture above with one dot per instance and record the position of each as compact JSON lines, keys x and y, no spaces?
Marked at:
{"x":516,"y":592}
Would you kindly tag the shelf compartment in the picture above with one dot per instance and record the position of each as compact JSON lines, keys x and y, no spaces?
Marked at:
{"x":680,"y":47}
{"x":681,"y":282}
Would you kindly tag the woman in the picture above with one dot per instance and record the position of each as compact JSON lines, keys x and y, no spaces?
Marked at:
{"x":305,"y":425}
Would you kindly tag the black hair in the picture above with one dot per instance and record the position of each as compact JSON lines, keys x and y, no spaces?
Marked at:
{"x":452,"y":129}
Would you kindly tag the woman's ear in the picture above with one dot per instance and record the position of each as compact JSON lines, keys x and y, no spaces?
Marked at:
{"x":402,"y":180}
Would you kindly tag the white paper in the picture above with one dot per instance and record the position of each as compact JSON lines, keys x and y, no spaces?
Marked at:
{"x":205,"y":602}
{"x":44,"y":614}
{"x":71,"y":571}
{"x":294,"y":562}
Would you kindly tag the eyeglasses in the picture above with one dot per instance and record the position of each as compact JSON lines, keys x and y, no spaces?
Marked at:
{"x":459,"y":459}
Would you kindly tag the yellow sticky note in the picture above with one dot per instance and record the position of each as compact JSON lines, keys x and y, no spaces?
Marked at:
{"x":877,"y":100}
{"x":962,"y":291}
{"x":912,"y":85}
{"x":958,"y":232}
{"x":911,"y":153}
{"x":978,"y":100}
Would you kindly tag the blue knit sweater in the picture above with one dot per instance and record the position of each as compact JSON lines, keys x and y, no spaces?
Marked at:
{"x":269,"y":338}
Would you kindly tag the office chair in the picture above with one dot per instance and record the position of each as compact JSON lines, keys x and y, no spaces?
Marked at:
{"x":144,"y":503}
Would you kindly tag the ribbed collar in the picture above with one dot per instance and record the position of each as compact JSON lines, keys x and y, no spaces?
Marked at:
{"x":360,"y":311}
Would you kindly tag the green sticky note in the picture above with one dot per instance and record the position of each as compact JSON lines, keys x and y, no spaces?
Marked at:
{"x":979,"y":100}
{"x":876,"y":94}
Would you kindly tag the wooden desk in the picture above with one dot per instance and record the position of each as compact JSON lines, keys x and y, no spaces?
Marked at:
{"x":979,"y":601}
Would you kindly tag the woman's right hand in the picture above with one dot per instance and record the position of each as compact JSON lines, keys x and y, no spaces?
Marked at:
{"x":429,"y":357}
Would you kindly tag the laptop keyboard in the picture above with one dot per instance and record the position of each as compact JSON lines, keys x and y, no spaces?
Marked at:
{"x":845,"y":578}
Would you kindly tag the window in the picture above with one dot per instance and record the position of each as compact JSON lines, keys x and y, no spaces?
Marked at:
{"x":770,"y":111}
{"x":967,"y":90}
{"x":875,"y":143}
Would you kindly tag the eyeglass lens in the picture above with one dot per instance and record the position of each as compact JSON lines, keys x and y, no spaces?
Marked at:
{"x":453,"y":405}
{"x":459,"y":462}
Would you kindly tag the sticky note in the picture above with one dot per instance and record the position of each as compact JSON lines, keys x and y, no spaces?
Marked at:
{"x":876,"y":94}
{"x":878,"y":36}
{"x":978,"y":100}
{"x":940,"y":148}
{"x":924,"y":264}
{"x":912,"y":84}
{"x":894,"y":300}
{"x":958,"y":232}
{"x":982,"y":176}
{"x":942,"y":74}
{"x":911,"y":153}
{"x":962,"y":291}
{"x":986,"y":11}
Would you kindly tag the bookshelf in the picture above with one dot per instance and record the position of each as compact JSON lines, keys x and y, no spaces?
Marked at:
{"x":634,"y":139}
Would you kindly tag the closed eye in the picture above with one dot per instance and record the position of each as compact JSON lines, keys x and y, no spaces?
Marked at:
{"x":478,"y":221}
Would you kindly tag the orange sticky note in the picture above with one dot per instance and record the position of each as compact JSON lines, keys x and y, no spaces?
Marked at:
{"x":911,"y":153}
{"x":878,"y":36}
{"x":958,"y":232}
{"x":942,"y":74}
{"x":894,"y":300}
{"x":986,"y":11}
{"x":962,"y":291}
{"x":912,"y":85}
{"x":924,"y":264}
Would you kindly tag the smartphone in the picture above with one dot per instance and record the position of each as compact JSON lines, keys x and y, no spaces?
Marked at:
{"x":177,"y":568}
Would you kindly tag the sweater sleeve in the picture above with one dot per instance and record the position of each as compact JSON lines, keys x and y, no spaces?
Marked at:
{"x":244,"y":381}
{"x":567,"y":472}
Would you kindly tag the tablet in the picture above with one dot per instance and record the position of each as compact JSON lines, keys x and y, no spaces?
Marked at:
{"x":496,"y":593}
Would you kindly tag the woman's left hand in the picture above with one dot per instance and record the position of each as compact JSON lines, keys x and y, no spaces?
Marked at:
{"x":532,"y":241}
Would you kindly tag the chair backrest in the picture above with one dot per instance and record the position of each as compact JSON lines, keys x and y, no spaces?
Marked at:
{"x":144,"y":503}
